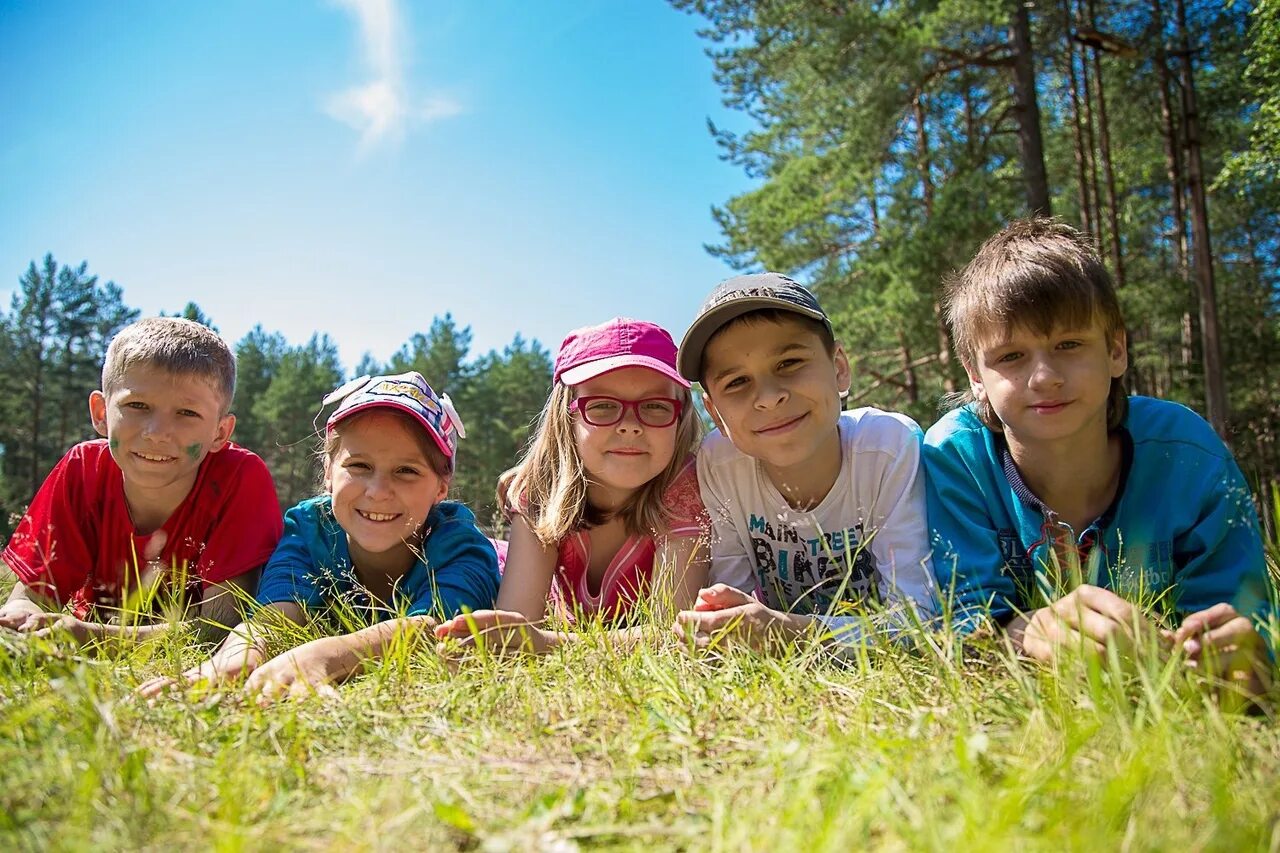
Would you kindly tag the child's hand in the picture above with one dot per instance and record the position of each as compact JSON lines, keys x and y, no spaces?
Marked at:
{"x":62,"y":625}
{"x":25,"y":617}
{"x":14,"y":615}
{"x":720,"y":597}
{"x":310,"y":669}
{"x":750,"y":623}
{"x":503,"y":632}
{"x":221,"y":667}
{"x":1226,"y":645}
{"x":1089,"y":617}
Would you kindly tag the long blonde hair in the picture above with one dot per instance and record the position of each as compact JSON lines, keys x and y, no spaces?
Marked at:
{"x":550,"y":483}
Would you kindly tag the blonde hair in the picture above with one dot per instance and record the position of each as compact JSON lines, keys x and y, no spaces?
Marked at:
{"x":1036,"y":274}
{"x":173,"y":344}
{"x":550,"y":482}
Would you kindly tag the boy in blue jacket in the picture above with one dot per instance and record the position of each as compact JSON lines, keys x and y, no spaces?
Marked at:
{"x":1052,"y":466}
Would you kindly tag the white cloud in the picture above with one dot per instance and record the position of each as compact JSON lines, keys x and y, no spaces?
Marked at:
{"x":380,"y":110}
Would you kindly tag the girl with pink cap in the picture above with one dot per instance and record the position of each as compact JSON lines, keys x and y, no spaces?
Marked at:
{"x":604,"y":506}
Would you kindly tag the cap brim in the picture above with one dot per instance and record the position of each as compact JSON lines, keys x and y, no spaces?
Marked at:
{"x":689,"y":357}
{"x":582,"y":372}
{"x":340,"y":416}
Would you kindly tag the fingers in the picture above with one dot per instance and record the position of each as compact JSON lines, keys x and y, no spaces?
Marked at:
{"x":155,"y":687}
{"x":464,"y":625}
{"x":719,"y":596}
{"x":1205,"y":620}
{"x":1101,"y":615}
{"x":708,"y":620}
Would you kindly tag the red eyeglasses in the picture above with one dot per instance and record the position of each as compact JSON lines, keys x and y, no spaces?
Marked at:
{"x":654,"y":412}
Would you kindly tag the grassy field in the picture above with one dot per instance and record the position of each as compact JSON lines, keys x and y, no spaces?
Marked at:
{"x":941,"y":748}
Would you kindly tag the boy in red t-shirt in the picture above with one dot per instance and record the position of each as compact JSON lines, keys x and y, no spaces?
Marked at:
{"x":165,"y":502}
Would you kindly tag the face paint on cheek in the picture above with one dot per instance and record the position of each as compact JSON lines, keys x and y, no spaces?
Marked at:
{"x":193,"y":451}
{"x":113,"y":443}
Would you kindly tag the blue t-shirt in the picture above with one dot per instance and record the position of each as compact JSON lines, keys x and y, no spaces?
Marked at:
{"x":312,"y":566}
{"x":1182,"y":523}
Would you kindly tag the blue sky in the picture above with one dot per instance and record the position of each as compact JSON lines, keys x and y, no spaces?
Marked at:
{"x":358,"y":166}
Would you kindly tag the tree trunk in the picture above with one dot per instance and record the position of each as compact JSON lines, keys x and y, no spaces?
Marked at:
{"x":1170,"y":135}
{"x":927,"y":191}
{"x":1027,"y":109}
{"x":1082,"y":158}
{"x":1215,"y":393}
{"x":1108,"y":173}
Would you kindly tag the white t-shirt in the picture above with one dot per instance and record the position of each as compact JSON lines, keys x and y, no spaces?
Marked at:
{"x":868,"y":537}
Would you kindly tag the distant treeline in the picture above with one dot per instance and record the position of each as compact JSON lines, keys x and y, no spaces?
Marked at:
{"x":890,"y":138}
{"x":55,"y":335}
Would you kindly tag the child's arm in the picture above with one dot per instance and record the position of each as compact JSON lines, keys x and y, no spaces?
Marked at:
{"x":314,"y":666}
{"x":526,"y":580}
{"x":522,"y":597}
{"x":967,"y":561}
{"x":900,"y":540}
{"x":242,"y":652}
{"x":681,"y":571}
{"x":27,"y":610}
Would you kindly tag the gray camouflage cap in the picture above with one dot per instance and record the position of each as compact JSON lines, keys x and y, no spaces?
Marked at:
{"x":735,"y":297}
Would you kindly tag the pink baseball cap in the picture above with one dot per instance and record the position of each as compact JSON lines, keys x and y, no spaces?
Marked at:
{"x":409,"y":393}
{"x":621,"y":342}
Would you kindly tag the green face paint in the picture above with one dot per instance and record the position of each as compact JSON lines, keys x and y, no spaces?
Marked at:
{"x":113,"y":443}
{"x":193,"y":451}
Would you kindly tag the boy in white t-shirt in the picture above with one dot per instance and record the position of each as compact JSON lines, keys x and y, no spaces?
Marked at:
{"x":815,"y":513}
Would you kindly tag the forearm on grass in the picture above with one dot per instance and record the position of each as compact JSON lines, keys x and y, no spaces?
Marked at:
{"x":347,"y":655}
{"x":23,"y":598}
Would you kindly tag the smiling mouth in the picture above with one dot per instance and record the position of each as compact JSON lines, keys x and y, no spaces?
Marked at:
{"x":151,"y":457}
{"x":782,"y":426}
{"x":1049,"y":406}
{"x":380,"y":517}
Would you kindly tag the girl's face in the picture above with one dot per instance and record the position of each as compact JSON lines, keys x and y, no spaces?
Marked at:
{"x":1049,"y":388}
{"x":623,"y":457}
{"x":381,"y":482}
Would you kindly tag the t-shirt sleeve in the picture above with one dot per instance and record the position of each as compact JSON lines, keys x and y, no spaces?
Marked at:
{"x":291,"y":572}
{"x":50,"y":550}
{"x":462,"y":566}
{"x":730,"y":562}
{"x":901,"y":541}
{"x":683,"y":503}
{"x":1221,"y":557}
{"x":248,"y":526}
{"x":966,"y":554}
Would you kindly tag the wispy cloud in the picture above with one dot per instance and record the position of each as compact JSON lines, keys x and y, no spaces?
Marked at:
{"x":383,"y":108}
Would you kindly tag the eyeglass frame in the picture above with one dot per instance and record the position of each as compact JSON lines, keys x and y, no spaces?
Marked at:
{"x":579,"y":405}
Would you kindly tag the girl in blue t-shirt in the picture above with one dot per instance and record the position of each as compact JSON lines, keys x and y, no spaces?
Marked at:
{"x":381,"y":544}
{"x":1064,"y":510}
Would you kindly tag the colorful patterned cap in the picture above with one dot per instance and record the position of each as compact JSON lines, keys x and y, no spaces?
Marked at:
{"x":408,"y":392}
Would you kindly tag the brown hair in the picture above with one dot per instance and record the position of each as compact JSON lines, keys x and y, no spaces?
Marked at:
{"x":173,"y":344}
{"x":1038,"y":274}
{"x":777,"y":316}
{"x":552,"y":483}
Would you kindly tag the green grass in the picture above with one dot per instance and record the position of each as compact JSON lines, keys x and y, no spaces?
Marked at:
{"x":950,"y":748}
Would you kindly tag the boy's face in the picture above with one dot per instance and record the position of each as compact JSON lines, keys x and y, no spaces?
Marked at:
{"x":1048,"y":388}
{"x":774,"y":391}
{"x":160,"y":426}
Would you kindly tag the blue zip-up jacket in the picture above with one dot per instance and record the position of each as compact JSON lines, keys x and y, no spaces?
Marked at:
{"x":1182,"y":525}
{"x":312,"y":566}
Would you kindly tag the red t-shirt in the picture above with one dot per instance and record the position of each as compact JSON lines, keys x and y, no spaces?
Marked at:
{"x":629,"y":573}
{"x":77,"y":544}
